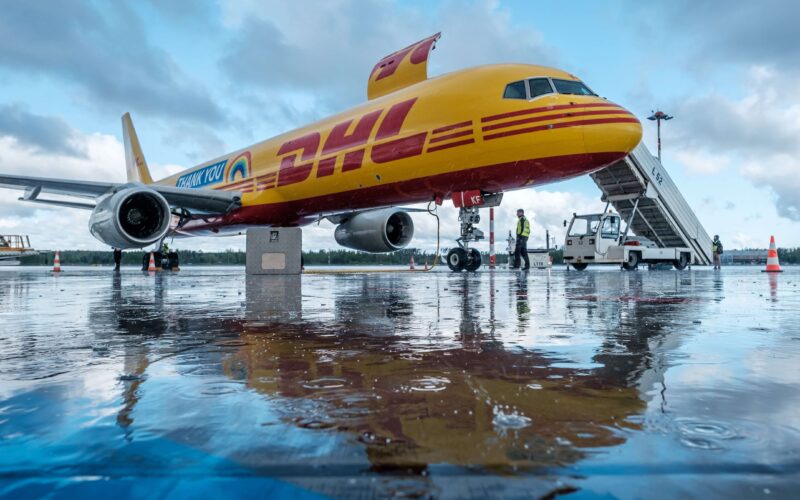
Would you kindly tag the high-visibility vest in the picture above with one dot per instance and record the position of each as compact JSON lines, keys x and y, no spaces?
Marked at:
{"x":523,"y":227}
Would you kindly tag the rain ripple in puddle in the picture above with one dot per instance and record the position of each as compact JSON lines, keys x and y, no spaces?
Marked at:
{"x":705,"y":435}
{"x":505,"y":418}
{"x":325,"y":383}
{"x":430,"y":384}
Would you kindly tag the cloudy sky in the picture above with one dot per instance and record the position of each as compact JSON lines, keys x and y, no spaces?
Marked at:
{"x":204,"y":78}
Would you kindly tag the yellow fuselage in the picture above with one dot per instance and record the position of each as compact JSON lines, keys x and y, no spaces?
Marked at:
{"x":423,"y":142}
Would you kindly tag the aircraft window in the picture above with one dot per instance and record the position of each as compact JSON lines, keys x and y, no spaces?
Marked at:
{"x":571,"y":87}
{"x":515,"y":90}
{"x":539,"y":86}
{"x":610,"y":228}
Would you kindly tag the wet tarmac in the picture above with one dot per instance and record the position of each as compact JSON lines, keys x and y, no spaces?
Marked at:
{"x":208,"y":383}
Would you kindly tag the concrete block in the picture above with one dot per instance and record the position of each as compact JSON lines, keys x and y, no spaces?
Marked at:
{"x":274,"y":250}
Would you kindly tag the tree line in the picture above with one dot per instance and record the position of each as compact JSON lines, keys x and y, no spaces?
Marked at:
{"x":338,"y":257}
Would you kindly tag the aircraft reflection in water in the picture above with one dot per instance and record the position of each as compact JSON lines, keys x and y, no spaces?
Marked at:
{"x":454,"y":379}
{"x":400,"y":383}
{"x":468,"y":400}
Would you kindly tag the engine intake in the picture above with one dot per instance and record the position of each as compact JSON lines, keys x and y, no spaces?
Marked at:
{"x":133,"y":217}
{"x":376,"y":231}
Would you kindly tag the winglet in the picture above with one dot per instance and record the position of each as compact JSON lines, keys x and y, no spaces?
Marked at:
{"x":401,"y":69}
{"x":135,"y":164}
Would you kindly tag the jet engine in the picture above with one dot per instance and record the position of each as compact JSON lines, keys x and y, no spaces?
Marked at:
{"x":377,"y":231}
{"x":133,"y":217}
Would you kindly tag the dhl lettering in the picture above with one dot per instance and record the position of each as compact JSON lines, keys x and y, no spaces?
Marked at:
{"x":353,"y":160}
{"x":399,"y":149}
{"x":338,"y":140}
{"x":390,"y":127}
{"x":291,"y":173}
{"x":394,"y":119}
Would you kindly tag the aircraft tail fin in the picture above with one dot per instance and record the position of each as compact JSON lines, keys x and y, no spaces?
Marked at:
{"x":401,"y":69}
{"x":135,"y":164}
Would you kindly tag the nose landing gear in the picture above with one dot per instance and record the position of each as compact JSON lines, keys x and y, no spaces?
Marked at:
{"x":463,"y":257}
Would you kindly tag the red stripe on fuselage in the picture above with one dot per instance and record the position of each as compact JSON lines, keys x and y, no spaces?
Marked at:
{"x":238,"y":184}
{"x":454,"y":126}
{"x":492,"y":178}
{"x":450,"y":145}
{"x":450,"y":136}
{"x":541,"y":118}
{"x":551,"y":126}
{"x":544,"y":110}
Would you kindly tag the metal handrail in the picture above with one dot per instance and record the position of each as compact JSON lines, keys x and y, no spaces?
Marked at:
{"x":15,"y":242}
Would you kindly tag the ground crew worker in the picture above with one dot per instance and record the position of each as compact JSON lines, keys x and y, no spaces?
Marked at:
{"x":716,"y":251}
{"x":521,"y":250}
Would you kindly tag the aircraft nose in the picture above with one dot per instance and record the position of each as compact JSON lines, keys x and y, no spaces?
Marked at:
{"x":616,"y":132}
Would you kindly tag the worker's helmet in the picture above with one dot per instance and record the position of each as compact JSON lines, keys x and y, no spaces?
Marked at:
{"x":716,"y":236}
{"x":520,"y":211}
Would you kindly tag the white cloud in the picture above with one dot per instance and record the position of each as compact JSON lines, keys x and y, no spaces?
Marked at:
{"x":757,"y":131}
{"x":325,"y":51}
{"x":702,"y":162}
{"x":781,"y":173}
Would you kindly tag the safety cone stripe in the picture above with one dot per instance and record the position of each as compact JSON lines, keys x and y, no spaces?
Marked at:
{"x":57,"y":262}
{"x":773,"y":265}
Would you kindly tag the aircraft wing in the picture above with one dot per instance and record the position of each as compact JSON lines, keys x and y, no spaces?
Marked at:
{"x":203,"y":200}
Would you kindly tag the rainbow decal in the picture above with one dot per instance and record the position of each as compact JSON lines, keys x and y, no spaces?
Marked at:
{"x":240,"y":166}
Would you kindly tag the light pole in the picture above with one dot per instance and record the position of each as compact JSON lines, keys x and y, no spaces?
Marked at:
{"x":657,"y":116}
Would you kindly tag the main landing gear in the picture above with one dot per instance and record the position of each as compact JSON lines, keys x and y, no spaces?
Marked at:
{"x":463,"y":257}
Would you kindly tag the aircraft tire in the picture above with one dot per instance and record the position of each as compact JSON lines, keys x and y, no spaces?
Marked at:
{"x":456,"y":259}
{"x":474,"y":261}
{"x":579,"y":266}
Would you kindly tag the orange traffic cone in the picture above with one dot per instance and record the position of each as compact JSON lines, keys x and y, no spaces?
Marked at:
{"x":411,"y":264}
{"x":57,"y":262}
{"x":773,"y":266}
{"x":151,"y":267}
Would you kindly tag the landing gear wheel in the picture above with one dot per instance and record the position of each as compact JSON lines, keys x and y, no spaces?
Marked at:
{"x":632,"y":262}
{"x":474,"y":261}
{"x":681,"y":263}
{"x":456,"y":259}
{"x":579,"y":266}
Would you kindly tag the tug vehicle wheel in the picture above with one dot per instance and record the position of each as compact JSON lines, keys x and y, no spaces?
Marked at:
{"x":632,"y":262}
{"x":681,"y":263}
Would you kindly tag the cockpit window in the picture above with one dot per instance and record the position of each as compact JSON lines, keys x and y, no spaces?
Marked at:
{"x":571,"y":87}
{"x":539,"y":86}
{"x":515,"y":90}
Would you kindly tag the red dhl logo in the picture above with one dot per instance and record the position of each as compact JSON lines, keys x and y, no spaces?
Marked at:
{"x":298,"y":155}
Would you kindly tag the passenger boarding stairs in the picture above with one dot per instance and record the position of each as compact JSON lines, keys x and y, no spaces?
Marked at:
{"x":662,"y":214}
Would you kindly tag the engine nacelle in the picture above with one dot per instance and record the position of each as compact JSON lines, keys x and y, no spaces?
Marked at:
{"x":133,"y":217}
{"x":377,"y":231}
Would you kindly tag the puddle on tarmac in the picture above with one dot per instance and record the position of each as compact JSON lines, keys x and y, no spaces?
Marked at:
{"x":376,"y":385}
